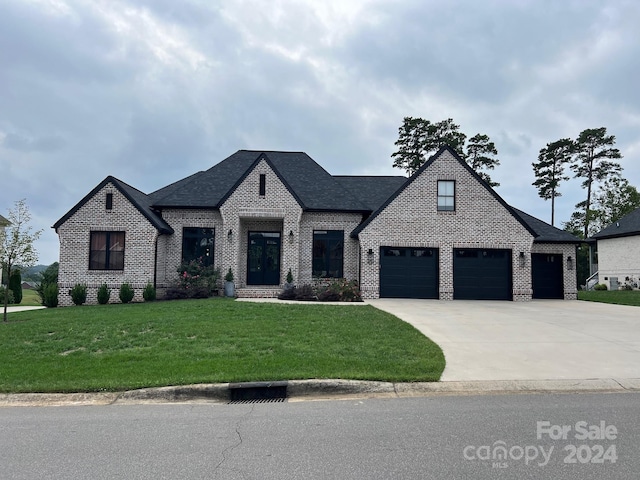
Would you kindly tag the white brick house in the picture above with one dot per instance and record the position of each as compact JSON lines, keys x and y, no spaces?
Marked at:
{"x":443,"y":233}
{"x":619,"y":252}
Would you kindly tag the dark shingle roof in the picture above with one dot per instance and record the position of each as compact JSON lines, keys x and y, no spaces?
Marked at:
{"x":308,"y":182}
{"x":625,"y":227}
{"x":372,"y":191}
{"x":546,"y":233}
{"x":4,"y":222}
{"x":137,"y":198}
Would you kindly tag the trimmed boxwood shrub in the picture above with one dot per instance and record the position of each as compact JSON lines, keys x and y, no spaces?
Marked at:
{"x":78,"y":294}
{"x":50,"y":295}
{"x":104,"y":294}
{"x":126,"y":292}
{"x":149,"y":292}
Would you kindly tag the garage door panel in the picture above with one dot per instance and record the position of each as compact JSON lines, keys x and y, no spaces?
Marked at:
{"x":547,"y":278}
{"x":408,"y":272}
{"x":482,"y":274}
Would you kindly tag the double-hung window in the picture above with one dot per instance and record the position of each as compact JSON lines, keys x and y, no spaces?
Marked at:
{"x":197,"y":244}
{"x":328,"y":253}
{"x":106,"y":251}
{"x":446,"y":195}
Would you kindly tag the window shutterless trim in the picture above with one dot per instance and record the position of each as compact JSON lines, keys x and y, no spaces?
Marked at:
{"x":108,"y":262}
{"x":446,"y":202}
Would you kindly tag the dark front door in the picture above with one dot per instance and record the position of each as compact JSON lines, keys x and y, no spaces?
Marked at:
{"x":482,"y":274}
{"x":546,"y":275}
{"x":408,"y":272}
{"x":263,"y":258}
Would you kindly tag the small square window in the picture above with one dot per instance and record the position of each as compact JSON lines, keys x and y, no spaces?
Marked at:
{"x":446,"y":195}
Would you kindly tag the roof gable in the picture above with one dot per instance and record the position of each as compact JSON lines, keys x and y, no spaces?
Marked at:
{"x":424,"y":167}
{"x":626,"y":226}
{"x":137,"y":198}
{"x":312,"y":186}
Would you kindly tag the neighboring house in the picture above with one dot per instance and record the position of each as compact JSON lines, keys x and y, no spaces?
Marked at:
{"x":442,"y":233}
{"x":3,"y":223}
{"x":618,"y":248}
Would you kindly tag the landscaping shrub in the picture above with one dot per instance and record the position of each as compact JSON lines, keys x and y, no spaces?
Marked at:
{"x":2,"y":293}
{"x":288,"y":294}
{"x":149,"y":292}
{"x":15,"y":285}
{"x":104,"y":294}
{"x":78,"y":294}
{"x":340,"y":290}
{"x":47,"y":277}
{"x":599,"y":286}
{"x":50,"y":295}
{"x":126,"y":293}
{"x":195,"y":280}
{"x":305,"y":293}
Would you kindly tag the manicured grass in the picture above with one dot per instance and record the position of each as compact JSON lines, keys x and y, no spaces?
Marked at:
{"x":117,"y":347}
{"x":621,"y":297}
{"x":30,"y":298}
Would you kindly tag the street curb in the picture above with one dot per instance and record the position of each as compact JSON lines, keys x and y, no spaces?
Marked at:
{"x":324,"y":389}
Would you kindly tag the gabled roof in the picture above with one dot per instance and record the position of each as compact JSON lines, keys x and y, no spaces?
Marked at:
{"x":426,"y":165}
{"x":4,"y":222}
{"x":371,"y":190}
{"x":625,"y":227}
{"x":310,"y":184}
{"x":545,"y":232}
{"x":137,"y":198}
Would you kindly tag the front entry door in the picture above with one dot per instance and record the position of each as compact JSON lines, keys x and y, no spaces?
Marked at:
{"x":263,"y":258}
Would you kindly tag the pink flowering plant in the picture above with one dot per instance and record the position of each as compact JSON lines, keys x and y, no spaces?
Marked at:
{"x":195,"y":280}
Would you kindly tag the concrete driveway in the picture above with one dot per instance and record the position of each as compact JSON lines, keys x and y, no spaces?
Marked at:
{"x":537,"y":340}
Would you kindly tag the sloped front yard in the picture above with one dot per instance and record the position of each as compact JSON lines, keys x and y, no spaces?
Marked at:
{"x":118,"y":347}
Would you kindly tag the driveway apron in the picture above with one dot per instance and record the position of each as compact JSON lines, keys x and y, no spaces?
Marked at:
{"x":536,"y":340}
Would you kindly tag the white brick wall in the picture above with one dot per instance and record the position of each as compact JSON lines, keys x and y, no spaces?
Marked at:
{"x":74,"y":234}
{"x":618,"y":257}
{"x":412,"y":220}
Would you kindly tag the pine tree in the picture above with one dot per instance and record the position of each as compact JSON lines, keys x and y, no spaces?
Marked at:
{"x":549,"y":170}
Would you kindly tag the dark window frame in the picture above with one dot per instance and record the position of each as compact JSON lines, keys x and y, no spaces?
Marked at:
{"x":109,"y":201}
{"x":328,"y":254}
{"x":443,"y":206}
{"x":262,"y":188}
{"x":113,"y":259}
{"x":197,"y":234}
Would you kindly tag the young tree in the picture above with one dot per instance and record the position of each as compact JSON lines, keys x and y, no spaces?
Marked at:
{"x":549,"y":170}
{"x":594,"y":150}
{"x":16,"y":242}
{"x":480,"y":156}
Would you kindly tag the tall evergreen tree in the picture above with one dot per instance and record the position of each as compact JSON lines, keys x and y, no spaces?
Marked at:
{"x":480,"y":156}
{"x":549,"y":170}
{"x":594,"y":152}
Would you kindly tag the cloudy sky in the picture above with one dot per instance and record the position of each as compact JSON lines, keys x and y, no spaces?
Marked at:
{"x":151,"y":91}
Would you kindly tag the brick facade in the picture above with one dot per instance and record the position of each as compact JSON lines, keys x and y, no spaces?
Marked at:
{"x":411,"y":219}
{"x":619,"y":258}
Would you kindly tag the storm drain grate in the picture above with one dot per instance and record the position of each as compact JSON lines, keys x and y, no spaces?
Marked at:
{"x":258,"y":392}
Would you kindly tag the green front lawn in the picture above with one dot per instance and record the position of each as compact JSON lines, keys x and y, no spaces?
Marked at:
{"x":118,"y":347}
{"x":621,"y":297}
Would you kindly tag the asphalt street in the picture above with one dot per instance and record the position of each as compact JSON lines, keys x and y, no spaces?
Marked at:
{"x":527,"y":436}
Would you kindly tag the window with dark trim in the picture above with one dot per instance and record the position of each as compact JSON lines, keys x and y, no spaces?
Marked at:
{"x":328,"y":253}
{"x":263,"y":185}
{"x":109,"y":201}
{"x":106,"y":251}
{"x":197,"y":244}
{"x":446,"y":195}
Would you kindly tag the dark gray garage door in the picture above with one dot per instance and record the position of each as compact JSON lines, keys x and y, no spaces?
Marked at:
{"x":482,"y":274}
{"x":546,"y":275}
{"x":408,"y":272}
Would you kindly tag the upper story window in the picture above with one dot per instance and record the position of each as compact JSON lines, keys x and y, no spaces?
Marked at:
{"x":446,"y":195}
{"x":106,"y":251}
{"x":328,"y":253}
{"x":197,"y":244}
{"x":263,"y":185}
{"x":109,"y":201}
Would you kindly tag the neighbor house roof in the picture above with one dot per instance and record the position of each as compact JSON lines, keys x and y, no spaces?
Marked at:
{"x":4,"y":222}
{"x":138,"y":199}
{"x":310,"y":184}
{"x":627,"y":226}
{"x":426,"y":165}
{"x":546,"y":233}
